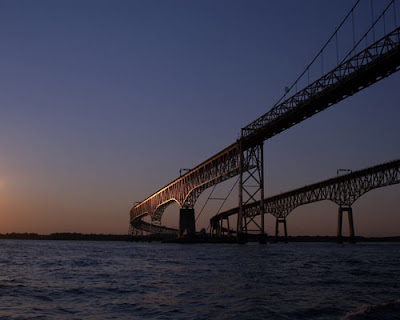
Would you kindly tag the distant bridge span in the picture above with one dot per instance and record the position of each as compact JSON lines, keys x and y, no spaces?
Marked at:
{"x":369,"y":66}
{"x":343,"y":190}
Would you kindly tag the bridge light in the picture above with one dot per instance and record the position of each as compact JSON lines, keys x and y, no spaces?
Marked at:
{"x":343,"y":170}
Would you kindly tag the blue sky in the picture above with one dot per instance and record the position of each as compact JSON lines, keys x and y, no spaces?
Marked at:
{"x":102,"y":102}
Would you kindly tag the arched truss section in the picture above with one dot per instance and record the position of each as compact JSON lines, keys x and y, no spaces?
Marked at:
{"x":343,"y":190}
{"x":152,"y":228}
{"x":186,"y":189}
{"x":157,"y":214}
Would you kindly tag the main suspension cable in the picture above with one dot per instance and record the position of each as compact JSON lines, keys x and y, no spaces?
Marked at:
{"x":318,"y":54}
{"x":366,"y":33}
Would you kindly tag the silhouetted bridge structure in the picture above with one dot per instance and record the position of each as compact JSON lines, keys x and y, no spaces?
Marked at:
{"x":244,"y":158}
{"x":343,"y":190}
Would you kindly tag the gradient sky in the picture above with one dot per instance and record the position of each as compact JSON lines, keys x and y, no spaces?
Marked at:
{"x":102,"y":102}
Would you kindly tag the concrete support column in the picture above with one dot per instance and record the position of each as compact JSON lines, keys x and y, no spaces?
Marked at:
{"x":349,"y":211}
{"x":286,"y":234}
{"x":351,"y":225}
{"x":339,"y":226}
{"x":187,"y":222}
{"x":263,"y":239}
{"x":278,"y":221}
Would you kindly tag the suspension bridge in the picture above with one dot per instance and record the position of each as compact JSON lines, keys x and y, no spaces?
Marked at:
{"x":370,"y":59}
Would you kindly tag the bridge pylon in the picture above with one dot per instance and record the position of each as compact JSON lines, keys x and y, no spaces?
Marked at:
{"x":349,"y":211}
{"x":251,"y":189}
{"x":187,"y":222}
{"x":278,"y":222}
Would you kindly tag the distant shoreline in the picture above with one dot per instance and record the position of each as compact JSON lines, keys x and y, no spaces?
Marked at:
{"x":160,"y":238}
{"x":65,"y":236}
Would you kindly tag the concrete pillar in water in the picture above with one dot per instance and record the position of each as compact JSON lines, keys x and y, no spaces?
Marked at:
{"x":187,"y":222}
{"x":349,"y":211}
{"x":339,"y":227}
{"x":278,"y":221}
{"x":351,"y":225}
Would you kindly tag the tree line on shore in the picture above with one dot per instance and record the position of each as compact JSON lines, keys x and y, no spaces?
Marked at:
{"x":126,"y":237}
{"x":65,"y":236}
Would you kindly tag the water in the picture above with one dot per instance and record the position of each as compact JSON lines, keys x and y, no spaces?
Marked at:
{"x":119,"y":280}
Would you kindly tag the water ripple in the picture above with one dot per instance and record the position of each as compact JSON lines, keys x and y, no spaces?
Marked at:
{"x":114,"y":280}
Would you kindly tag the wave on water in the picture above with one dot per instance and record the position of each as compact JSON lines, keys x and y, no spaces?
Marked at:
{"x":386,"y":311}
{"x":54,"y":280}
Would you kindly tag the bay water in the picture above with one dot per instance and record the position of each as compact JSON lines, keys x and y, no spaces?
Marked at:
{"x":138,"y":280}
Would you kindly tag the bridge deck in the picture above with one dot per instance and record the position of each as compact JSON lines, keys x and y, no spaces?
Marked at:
{"x":343,"y":190}
{"x":358,"y":72}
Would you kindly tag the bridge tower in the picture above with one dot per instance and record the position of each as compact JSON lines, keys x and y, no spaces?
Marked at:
{"x":251,"y":189}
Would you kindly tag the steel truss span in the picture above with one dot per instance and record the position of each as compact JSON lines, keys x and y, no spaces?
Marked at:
{"x":186,"y":189}
{"x":343,"y":190}
{"x":152,"y":228}
{"x":372,"y":64}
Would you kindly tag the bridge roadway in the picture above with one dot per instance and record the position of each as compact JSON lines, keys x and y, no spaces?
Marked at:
{"x":370,"y":65}
{"x":343,"y":190}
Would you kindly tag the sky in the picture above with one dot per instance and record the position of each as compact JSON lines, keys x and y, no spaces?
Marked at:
{"x":102,"y":103}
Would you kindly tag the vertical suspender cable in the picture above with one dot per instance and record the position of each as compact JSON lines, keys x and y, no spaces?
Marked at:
{"x":372,"y":20}
{"x":319,"y":53}
{"x":384,"y":25}
{"x":337,"y":51}
{"x":365,"y":36}
{"x":395,"y":14}
{"x":322,"y":63}
{"x":354,"y":31}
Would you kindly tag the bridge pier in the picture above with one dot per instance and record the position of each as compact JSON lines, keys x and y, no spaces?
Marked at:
{"x":134,"y":231}
{"x":349,"y":211}
{"x":222,"y":229}
{"x":278,"y":221}
{"x":251,"y":190}
{"x":187,"y":223}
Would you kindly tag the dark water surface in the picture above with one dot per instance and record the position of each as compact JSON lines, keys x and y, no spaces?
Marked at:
{"x":121,"y":280}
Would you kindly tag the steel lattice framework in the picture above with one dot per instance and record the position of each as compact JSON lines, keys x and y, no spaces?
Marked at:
{"x":186,"y":189}
{"x":154,"y":228}
{"x":343,"y":190}
{"x":372,"y":64}
{"x":377,"y":61}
